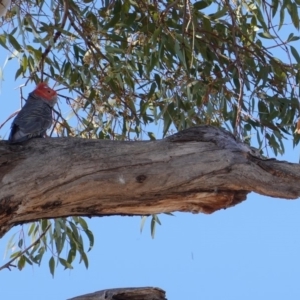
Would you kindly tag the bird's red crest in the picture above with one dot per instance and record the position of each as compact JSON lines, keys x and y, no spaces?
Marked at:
{"x":43,"y":90}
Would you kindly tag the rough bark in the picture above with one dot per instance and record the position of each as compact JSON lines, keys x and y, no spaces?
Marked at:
{"x":144,"y":293}
{"x":201,"y":169}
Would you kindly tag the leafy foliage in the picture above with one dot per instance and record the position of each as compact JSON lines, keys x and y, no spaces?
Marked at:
{"x":52,"y":236}
{"x":125,"y":66}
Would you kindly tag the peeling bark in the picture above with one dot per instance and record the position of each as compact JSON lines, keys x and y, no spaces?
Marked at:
{"x":201,"y":169}
{"x":144,"y":293}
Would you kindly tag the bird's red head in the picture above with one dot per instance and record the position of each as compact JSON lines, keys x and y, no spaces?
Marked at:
{"x":42,"y":90}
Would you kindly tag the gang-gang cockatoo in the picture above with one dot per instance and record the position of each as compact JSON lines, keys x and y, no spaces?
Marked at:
{"x":35,"y":117}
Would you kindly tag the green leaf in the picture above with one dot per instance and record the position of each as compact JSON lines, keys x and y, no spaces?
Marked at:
{"x":83,"y":223}
{"x":45,"y":223}
{"x":20,"y":243}
{"x":71,"y":255}
{"x":31,"y":228}
{"x":167,"y":123}
{"x":281,"y":18}
{"x":295,"y":54}
{"x":152,"y":62}
{"x":113,"y":21}
{"x":151,"y":136}
{"x":90,"y":236}
{"x":67,"y":69}
{"x":140,"y":69}
{"x":74,"y":231}
{"x":180,"y":53}
{"x":274,"y":7}
{"x":15,"y":254}
{"x":84,"y":259}
{"x":28,"y":260}
{"x":157,"y":80}
{"x":155,"y":35}
{"x":52,"y":266}
{"x":24,"y":62}
{"x":117,"y":6}
{"x":266,"y":35}
{"x":14,"y":43}
{"x":201,"y":4}
{"x":294,"y":38}
{"x":3,"y":41}
{"x":219,"y":14}
{"x":156,"y":219}
{"x":152,"y":90}
{"x":65,"y":263}
{"x":110,"y":49}
{"x":131,"y":19}
{"x":76,"y":52}
{"x":144,"y":218}
{"x":19,"y":72}
{"x":207,"y":24}
{"x":153,"y":225}
{"x":294,"y":15}
{"x":21,"y":262}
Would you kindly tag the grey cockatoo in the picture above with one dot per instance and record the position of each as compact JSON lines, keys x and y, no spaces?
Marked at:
{"x":35,"y":117}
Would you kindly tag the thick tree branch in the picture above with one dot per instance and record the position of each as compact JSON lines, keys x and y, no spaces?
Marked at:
{"x":201,"y":169}
{"x":143,"y":293}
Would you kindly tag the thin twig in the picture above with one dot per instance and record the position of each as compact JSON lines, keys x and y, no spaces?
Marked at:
{"x":88,"y":42}
{"x":239,"y":67}
{"x":9,"y":264}
{"x":49,"y":47}
{"x":11,"y":116}
{"x":188,"y":5}
{"x":55,"y":38}
{"x":168,"y":7}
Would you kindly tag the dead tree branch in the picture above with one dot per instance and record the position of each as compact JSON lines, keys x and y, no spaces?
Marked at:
{"x":201,"y":169}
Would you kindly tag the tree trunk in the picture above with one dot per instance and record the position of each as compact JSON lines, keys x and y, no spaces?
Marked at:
{"x":201,"y":169}
{"x":144,"y":293}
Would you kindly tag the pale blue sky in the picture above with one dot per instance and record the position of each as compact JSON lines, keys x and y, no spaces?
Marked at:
{"x":251,"y":251}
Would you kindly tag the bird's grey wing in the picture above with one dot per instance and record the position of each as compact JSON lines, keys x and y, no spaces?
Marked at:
{"x":33,"y":120}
